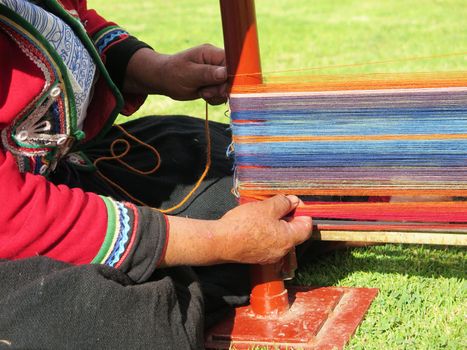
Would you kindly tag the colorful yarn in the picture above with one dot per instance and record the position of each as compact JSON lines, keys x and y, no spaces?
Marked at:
{"x":375,"y":135}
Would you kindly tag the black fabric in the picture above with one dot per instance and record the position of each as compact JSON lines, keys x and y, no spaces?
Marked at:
{"x":118,"y":56}
{"x":181,"y":143}
{"x":45,"y":304}
{"x":149,"y":245}
{"x":51,"y":305}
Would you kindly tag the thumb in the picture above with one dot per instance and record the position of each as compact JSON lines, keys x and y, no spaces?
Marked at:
{"x":281,"y":205}
{"x":207,"y":75}
{"x":301,"y":227}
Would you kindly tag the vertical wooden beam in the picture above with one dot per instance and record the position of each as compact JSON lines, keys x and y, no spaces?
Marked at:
{"x":241,"y":41}
{"x":268,"y":295}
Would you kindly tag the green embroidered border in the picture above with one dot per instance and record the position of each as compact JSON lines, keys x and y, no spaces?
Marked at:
{"x":110,"y":234}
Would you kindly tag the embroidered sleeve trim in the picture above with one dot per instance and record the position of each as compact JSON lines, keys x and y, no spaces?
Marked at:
{"x":109,"y":37}
{"x":120,"y":233}
{"x":133,"y":235}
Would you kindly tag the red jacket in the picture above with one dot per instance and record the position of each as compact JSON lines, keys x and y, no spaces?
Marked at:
{"x":38,"y":217}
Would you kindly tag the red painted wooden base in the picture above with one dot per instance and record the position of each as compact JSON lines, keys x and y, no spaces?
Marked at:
{"x":319,"y":318}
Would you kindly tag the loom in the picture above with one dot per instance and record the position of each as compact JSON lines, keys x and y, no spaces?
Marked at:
{"x":362,"y":155}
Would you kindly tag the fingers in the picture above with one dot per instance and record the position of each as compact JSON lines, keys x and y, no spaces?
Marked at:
{"x":209,"y":64}
{"x":301,"y":227}
{"x":280,"y":205}
{"x":211,"y":55}
{"x":214,"y":95}
{"x":210,"y":82}
{"x":258,"y":232}
{"x":210,"y":71}
{"x":209,"y":75}
{"x":197,"y":72}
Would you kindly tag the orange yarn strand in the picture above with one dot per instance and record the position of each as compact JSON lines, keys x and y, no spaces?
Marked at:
{"x":206,"y":169}
{"x":118,"y":157}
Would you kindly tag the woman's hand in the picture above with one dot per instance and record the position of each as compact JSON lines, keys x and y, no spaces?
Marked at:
{"x":187,"y":75}
{"x":261,"y":233}
{"x":255,"y":233}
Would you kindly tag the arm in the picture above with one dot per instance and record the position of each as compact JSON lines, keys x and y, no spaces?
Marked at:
{"x":138,"y":70}
{"x":255,"y":232}
{"x":251,"y":233}
{"x":40,"y":218}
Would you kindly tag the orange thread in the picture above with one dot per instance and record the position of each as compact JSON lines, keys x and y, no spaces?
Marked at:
{"x":349,"y":82}
{"x":118,"y":157}
{"x":298,"y":70}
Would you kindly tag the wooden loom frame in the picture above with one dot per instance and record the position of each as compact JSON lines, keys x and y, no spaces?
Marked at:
{"x":243,"y":58}
{"x":269,"y":296}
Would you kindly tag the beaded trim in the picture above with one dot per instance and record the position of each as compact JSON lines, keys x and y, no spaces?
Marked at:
{"x":41,"y":131}
{"x":80,"y":66}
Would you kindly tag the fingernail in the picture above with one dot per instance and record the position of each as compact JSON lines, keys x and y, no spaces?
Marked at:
{"x":294,"y":200}
{"x":220,"y":73}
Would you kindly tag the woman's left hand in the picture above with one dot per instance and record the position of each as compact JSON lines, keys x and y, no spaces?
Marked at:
{"x":198,"y":72}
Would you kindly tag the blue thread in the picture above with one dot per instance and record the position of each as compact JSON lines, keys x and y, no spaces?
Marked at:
{"x":351,"y":140}
{"x":229,"y":152}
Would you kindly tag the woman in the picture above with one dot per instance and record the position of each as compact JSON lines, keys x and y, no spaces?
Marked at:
{"x":66,"y":73}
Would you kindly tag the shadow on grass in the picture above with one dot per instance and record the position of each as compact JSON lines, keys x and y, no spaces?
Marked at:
{"x":404,"y":260}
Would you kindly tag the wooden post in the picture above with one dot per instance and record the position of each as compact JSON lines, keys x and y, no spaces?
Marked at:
{"x":241,"y":42}
{"x":268,"y":295}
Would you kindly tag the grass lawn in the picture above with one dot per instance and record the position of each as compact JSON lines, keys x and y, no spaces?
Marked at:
{"x":423,"y":292}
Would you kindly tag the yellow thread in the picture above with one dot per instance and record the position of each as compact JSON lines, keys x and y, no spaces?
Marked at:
{"x":118,"y":157}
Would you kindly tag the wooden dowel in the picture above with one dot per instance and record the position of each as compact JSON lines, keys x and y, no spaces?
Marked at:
{"x":436,"y":238}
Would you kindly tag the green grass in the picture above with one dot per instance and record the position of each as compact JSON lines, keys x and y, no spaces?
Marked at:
{"x":423,"y":293}
{"x":422,"y":298}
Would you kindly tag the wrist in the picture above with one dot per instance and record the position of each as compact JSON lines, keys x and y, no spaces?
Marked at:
{"x":194,"y":242}
{"x":156,"y":76}
{"x":146,"y":72}
{"x":219,"y":237}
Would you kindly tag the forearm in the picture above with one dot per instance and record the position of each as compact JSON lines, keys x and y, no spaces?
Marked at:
{"x":254,"y":233}
{"x":193,"y":242}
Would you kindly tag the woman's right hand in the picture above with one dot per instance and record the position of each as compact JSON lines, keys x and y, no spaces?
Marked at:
{"x":260,"y":232}
{"x":255,"y":233}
